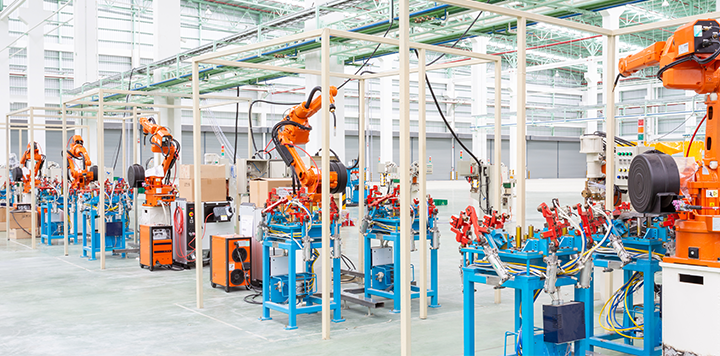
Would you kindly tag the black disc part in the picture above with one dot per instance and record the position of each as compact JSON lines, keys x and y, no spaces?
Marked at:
{"x":237,"y":277}
{"x":342,"y":176}
{"x":652,"y":173}
{"x":17,"y":174}
{"x":136,"y":176}
{"x":94,"y":171}
{"x":239,"y":254}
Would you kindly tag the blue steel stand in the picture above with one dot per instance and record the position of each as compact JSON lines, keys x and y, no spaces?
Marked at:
{"x":394,"y":237}
{"x":48,"y":228}
{"x":651,"y":339}
{"x":112,"y":242}
{"x":313,"y":304}
{"x":525,"y":285}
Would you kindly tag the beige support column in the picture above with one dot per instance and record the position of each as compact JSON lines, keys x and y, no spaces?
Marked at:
{"x":422,"y":196}
{"x":497,"y":149}
{"x":33,"y":204}
{"x":197,"y":160}
{"x":325,"y":252}
{"x":136,"y":143}
{"x":361,"y":170}
{"x":405,"y":226}
{"x":521,"y":154}
{"x":325,"y":177}
{"x":101,"y":179}
{"x":609,"y":71}
{"x":497,"y":136}
{"x":63,"y":164}
{"x":609,"y":121}
{"x":8,"y":191}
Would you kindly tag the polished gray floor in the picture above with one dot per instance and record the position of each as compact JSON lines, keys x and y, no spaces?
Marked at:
{"x":51,"y":304}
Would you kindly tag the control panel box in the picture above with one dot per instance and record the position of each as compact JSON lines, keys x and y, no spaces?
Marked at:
{"x":623,"y":157}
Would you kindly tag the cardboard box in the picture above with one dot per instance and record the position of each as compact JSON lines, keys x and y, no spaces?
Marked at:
{"x":213,"y":189}
{"x":3,"y":214}
{"x":260,"y":188}
{"x":21,"y":220}
{"x":206,"y":171}
{"x":3,"y":226}
{"x":16,"y":234}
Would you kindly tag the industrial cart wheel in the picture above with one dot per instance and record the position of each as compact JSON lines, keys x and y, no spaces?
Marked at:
{"x":213,"y":285}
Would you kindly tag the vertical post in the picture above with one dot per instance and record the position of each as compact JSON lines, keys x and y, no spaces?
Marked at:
{"x":20,"y":144}
{"x":497,"y":141}
{"x":196,"y":175}
{"x":497,"y":144}
{"x":33,"y":205}
{"x":8,"y":191}
{"x":101,"y":174}
{"x":405,"y":224}
{"x":609,"y":123}
{"x":123,"y":144}
{"x":520,"y":174}
{"x":325,"y":179}
{"x":423,"y":209}
{"x":361,"y":170}
{"x":135,"y":160}
{"x":63,"y":165}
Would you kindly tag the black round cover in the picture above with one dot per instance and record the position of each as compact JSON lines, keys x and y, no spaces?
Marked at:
{"x":239,"y":254}
{"x":136,"y":176}
{"x":94,"y":171}
{"x":237,"y":277}
{"x":652,"y":173}
{"x":17,"y":174}
{"x":342,"y":176}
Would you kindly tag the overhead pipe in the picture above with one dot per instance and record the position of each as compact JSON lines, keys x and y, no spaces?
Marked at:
{"x":551,"y":44}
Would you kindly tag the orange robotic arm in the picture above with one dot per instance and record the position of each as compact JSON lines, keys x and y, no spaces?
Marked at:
{"x":646,"y":58}
{"x":87,"y":173}
{"x":294,"y":130}
{"x":39,"y":158}
{"x":686,"y":59}
{"x":162,"y":142}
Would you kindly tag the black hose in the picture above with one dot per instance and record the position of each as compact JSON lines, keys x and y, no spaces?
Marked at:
{"x":617,"y":79}
{"x":487,"y":208}
{"x":250,"y":129}
{"x":127,"y":98}
{"x":333,"y":152}
{"x":391,"y":20}
{"x":311,"y":95}
{"x":458,"y":40}
{"x":357,"y":160}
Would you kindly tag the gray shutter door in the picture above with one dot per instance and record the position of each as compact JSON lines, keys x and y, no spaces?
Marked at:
{"x":542,"y":159}
{"x":54,"y":146}
{"x":573,"y":162}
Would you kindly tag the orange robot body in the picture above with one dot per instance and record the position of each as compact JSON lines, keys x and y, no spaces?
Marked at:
{"x":158,"y":190}
{"x":81,"y":178}
{"x":33,"y":151}
{"x":295,"y":130}
{"x":688,"y":60}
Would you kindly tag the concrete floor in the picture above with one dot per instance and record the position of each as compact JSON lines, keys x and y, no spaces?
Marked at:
{"x":52,"y":304}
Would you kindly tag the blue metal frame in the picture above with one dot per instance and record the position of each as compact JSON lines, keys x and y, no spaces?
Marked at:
{"x":112,"y":242}
{"x":49,"y":229}
{"x":394,"y":237}
{"x":287,"y":303}
{"x":652,"y":333}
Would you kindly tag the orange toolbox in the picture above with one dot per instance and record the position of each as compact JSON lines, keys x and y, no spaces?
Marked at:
{"x":230,"y":261}
{"x":156,"y":246}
